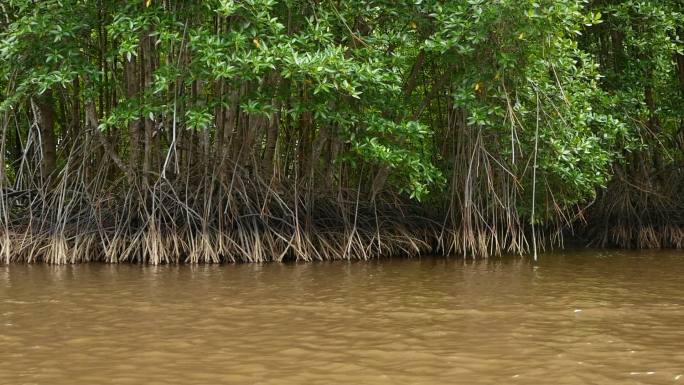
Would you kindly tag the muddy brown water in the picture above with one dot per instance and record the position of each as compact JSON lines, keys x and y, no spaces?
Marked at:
{"x":590,"y":317}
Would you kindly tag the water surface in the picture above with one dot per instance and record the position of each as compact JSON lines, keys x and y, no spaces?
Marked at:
{"x":574,"y":318}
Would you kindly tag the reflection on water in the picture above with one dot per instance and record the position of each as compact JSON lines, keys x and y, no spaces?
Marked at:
{"x":574,"y":318}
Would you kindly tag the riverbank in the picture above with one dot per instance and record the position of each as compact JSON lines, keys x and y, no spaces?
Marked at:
{"x":266,"y":228}
{"x":171,"y":131}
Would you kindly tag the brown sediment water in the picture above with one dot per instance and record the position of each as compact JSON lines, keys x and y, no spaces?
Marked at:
{"x":589,"y":317}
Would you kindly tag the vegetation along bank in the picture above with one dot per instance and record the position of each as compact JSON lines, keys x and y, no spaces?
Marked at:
{"x":166,"y":131}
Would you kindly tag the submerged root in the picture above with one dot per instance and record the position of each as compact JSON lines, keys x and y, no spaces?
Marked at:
{"x":230,"y":225}
{"x":638,"y":215}
{"x":237,"y":227}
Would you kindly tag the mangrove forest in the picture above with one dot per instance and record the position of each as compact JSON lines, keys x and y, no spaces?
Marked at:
{"x":174,"y":131}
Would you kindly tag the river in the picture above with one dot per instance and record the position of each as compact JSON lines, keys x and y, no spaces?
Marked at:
{"x":588,"y":317}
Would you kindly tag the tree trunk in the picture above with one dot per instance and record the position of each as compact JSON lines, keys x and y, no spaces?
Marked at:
{"x":271,"y":141}
{"x":46,"y":124}
{"x":132,"y":83}
{"x":3,"y":140}
{"x":617,"y":39}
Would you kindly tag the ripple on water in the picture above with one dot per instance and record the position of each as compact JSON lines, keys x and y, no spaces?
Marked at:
{"x":571,"y":319}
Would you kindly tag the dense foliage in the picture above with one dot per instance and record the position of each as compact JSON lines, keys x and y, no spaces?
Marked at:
{"x":266,"y":129}
{"x":640,"y":50}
